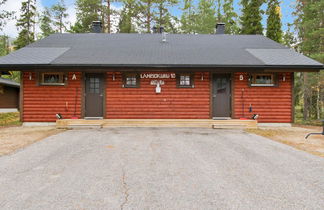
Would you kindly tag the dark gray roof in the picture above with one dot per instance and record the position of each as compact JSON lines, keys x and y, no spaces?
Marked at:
{"x":9,"y":82}
{"x":180,"y":50}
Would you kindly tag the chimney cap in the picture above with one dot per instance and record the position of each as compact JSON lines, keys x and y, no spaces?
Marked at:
{"x":220,"y":28}
{"x":161,"y":29}
{"x":96,"y":26}
{"x":155,"y":30}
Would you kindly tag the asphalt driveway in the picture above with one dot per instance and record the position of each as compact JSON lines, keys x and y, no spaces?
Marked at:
{"x":165,"y":168}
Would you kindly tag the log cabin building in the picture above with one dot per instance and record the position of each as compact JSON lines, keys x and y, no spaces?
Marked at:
{"x":157,"y":76}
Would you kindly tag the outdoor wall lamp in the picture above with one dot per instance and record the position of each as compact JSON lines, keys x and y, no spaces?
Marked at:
{"x":283,"y":77}
{"x":30,"y":76}
{"x":241,"y":77}
{"x":73,"y":77}
{"x":202,"y":76}
{"x":113,"y":77}
{"x":158,"y":88}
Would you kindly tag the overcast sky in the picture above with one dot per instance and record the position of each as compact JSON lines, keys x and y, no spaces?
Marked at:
{"x":14,"y":5}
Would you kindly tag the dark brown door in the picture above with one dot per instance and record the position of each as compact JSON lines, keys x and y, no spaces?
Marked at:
{"x":94,"y":95}
{"x":221,"y":95}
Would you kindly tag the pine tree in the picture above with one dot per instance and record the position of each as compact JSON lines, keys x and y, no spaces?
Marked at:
{"x":188,"y":17}
{"x":109,"y":12}
{"x":46,"y":23}
{"x":4,"y":45}
{"x":309,"y":26}
{"x":59,"y":13}
{"x":230,"y":17}
{"x":219,"y":16}
{"x":205,"y":19}
{"x":5,"y":15}
{"x":288,"y":38}
{"x":163,"y":17}
{"x":146,"y":14}
{"x":87,"y":12}
{"x":251,"y":17}
{"x":25,"y":24}
{"x":127,"y":15}
{"x":274,"y":31}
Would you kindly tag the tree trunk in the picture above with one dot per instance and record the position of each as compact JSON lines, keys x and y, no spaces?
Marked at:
{"x":148,"y":19}
{"x":108,"y":17}
{"x":161,"y":14}
{"x":28,"y":23}
{"x":61,"y":24}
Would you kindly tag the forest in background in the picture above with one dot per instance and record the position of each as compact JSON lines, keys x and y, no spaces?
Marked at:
{"x":305,"y":34}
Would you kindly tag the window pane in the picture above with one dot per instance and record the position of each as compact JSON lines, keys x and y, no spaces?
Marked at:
{"x":51,"y":78}
{"x":131,"y":81}
{"x":185,"y":80}
{"x":94,"y":85}
{"x":263,"y":79}
{"x":221,"y":85}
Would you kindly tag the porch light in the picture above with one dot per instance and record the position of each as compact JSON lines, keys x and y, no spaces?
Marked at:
{"x":284,"y":77}
{"x":202,"y":76}
{"x":73,"y":77}
{"x":241,"y":77}
{"x":30,"y":76}
{"x":158,"y":88}
{"x":113,"y":77}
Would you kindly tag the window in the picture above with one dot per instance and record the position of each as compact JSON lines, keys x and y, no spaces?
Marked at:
{"x":94,"y":85}
{"x":185,"y":81}
{"x":130,"y":80}
{"x":52,"y":78}
{"x":263,"y":80}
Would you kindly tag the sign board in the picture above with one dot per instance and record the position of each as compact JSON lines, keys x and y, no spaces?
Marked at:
{"x":155,"y":82}
{"x":158,"y":76}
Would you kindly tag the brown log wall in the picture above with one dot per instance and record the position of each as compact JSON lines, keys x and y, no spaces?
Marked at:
{"x":144,"y":103}
{"x":41,"y":103}
{"x":273,"y":104}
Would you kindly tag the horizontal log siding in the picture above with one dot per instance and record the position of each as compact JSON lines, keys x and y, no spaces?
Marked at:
{"x":41,"y":103}
{"x":273,"y":104}
{"x":144,"y":103}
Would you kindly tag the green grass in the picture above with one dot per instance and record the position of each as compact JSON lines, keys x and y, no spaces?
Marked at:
{"x":9,"y":119}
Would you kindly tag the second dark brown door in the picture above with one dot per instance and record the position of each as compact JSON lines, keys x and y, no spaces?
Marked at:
{"x":221,"y":95}
{"x":94,"y":95}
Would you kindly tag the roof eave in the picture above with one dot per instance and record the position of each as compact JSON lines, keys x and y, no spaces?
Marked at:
{"x":10,"y":85}
{"x":82,"y":67}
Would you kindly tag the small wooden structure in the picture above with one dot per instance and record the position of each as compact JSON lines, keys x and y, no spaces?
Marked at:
{"x":9,"y":94}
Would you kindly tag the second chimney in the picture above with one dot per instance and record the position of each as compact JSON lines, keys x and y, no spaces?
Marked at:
{"x":96,"y":27}
{"x":220,"y":28}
